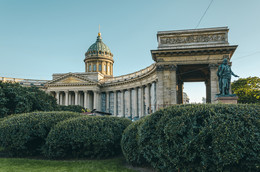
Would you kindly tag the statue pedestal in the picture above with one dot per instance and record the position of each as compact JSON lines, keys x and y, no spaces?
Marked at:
{"x":226,"y":99}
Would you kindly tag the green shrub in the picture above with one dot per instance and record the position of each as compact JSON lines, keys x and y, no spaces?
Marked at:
{"x":93,"y":137}
{"x":71,"y":108}
{"x":202,"y":138}
{"x":129,"y":144}
{"x":25,"y":134}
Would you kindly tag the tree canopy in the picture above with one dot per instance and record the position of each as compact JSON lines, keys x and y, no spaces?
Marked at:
{"x":247,"y":90}
{"x":17,"y":99}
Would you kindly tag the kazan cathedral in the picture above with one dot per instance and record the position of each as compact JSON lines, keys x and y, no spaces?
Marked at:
{"x":181,"y":56}
{"x":132,"y":95}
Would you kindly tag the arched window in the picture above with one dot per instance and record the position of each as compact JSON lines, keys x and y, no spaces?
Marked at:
{"x":94,"y":68}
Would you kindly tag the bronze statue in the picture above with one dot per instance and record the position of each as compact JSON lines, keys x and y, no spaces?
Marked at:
{"x":224,"y":76}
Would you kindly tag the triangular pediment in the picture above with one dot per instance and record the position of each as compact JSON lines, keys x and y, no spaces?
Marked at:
{"x":71,"y":79}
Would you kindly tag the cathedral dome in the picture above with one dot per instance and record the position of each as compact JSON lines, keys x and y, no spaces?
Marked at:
{"x":99,"y":47}
{"x":99,"y":58}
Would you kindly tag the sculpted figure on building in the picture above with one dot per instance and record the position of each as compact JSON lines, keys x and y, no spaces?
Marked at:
{"x":224,"y":76}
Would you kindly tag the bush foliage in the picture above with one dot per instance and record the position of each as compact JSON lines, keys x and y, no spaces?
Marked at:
{"x":198,"y":138}
{"x":25,"y":134}
{"x":71,"y":108}
{"x":93,"y":137}
{"x":129,"y":144}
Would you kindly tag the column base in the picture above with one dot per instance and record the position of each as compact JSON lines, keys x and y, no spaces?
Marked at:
{"x":226,"y":99}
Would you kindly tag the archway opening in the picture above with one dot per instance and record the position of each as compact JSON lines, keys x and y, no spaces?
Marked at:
{"x":195,"y":92}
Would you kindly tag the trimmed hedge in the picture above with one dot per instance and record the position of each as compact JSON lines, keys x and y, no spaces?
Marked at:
{"x":71,"y":108}
{"x":129,"y":144}
{"x":201,"y":138}
{"x":87,"y":136}
{"x":25,"y":134}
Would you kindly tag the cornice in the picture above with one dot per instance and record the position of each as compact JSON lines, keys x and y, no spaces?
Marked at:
{"x":193,"y":51}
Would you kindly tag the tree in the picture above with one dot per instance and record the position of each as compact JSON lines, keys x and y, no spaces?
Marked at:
{"x":16,"y":99}
{"x":247,"y":90}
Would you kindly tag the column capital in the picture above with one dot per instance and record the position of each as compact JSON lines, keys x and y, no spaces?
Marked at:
{"x":162,"y":67}
{"x":172,"y":67}
{"x":95,"y":91}
{"x":213,"y":66}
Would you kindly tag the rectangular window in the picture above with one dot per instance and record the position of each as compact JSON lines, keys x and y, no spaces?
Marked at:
{"x":94,"y":68}
{"x":103,"y":102}
{"x":111,"y":103}
{"x":89,"y":68}
{"x":99,"y":67}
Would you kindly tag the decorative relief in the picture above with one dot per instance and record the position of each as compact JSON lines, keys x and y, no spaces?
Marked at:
{"x":71,"y":80}
{"x":194,"y":39}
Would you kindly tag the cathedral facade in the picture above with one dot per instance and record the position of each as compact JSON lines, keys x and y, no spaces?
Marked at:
{"x":181,"y":56}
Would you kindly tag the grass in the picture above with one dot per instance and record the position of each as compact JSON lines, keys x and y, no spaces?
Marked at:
{"x":32,"y":165}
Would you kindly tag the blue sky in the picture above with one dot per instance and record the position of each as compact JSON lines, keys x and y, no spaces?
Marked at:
{"x":39,"y":38}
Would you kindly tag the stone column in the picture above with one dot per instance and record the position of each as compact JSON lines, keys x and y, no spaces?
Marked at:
{"x":111,"y":68}
{"x":142,"y":101}
{"x":160,"y":86}
{"x":172,"y":84}
{"x":107,"y":101}
{"x":135,"y":105}
{"x":146,"y":90}
{"x":149,"y":98}
{"x":106,"y":69}
{"x":66,"y":98}
{"x":96,"y":100}
{"x":88,"y":101}
{"x":180,"y":92}
{"x":208,"y":98}
{"x":85,"y":98}
{"x":213,"y":82}
{"x":76,"y":97}
{"x":70,"y":98}
{"x":58,"y":97}
{"x":115,"y":104}
{"x":122,"y":104}
{"x":129,"y":102}
{"x":61,"y":99}
{"x":154,"y":101}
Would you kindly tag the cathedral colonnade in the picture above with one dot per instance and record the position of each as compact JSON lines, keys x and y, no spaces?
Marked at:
{"x":131,"y":102}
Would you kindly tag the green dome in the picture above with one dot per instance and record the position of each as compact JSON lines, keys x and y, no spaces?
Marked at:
{"x":98,"y":46}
